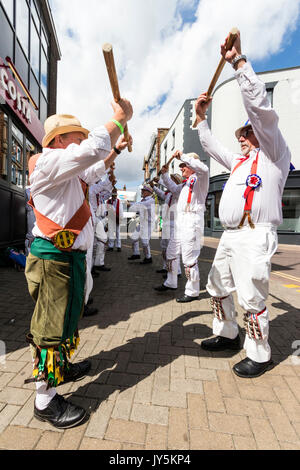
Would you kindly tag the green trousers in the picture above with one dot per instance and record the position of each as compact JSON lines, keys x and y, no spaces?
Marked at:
{"x":56,"y":282}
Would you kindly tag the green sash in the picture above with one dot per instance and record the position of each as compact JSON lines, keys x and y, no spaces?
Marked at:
{"x":44,"y":249}
{"x":56,"y":281}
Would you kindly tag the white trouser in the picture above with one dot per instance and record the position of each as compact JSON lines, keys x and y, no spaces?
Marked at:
{"x":188,"y":241}
{"x":100,"y":241}
{"x":167,"y":235}
{"x":143,"y":233}
{"x":89,"y":277}
{"x":114,"y":235}
{"x":242,"y":263}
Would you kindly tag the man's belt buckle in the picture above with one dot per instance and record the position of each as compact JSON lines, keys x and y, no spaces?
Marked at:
{"x":64,"y":239}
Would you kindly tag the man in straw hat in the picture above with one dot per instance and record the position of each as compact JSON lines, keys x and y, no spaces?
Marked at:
{"x":250,"y":211}
{"x":56,"y":266}
{"x":146,"y":210}
{"x":189,"y":224}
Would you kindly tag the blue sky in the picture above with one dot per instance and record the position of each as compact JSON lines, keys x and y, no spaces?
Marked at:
{"x":166,"y":51}
{"x":289,"y":56}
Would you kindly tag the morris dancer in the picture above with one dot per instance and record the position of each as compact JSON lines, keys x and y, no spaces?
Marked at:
{"x":249,"y":213}
{"x":115,"y":216}
{"x":146,"y":210}
{"x":98,"y":193}
{"x":56,"y":265}
{"x":168,"y":227}
{"x":189,"y":226}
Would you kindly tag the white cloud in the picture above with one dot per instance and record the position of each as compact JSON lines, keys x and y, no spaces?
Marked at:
{"x":156,"y":53}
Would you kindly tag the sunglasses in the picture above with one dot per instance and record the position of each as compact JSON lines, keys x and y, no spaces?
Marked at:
{"x":245,"y":133}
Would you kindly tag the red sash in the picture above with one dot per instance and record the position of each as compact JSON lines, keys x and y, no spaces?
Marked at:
{"x":249,"y":192}
{"x":62,"y":237}
{"x":192,"y":182}
{"x":110,"y":201}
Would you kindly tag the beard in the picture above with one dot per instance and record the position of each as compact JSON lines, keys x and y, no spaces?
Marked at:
{"x":245,"y":150}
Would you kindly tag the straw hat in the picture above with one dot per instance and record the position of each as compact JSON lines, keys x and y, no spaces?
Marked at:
{"x":247,"y":125}
{"x":145,"y":187}
{"x":192,"y":155}
{"x":177,"y":178}
{"x":59,"y":124}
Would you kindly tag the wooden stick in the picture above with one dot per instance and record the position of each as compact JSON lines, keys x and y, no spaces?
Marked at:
{"x":112,"y":74}
{"x":229,"y":43}
{"x":167,"y":164}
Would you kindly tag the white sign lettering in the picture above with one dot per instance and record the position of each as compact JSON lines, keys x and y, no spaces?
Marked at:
{"x":9,"y":86}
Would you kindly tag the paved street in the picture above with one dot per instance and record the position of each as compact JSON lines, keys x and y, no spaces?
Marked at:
{"x":151,"y":385}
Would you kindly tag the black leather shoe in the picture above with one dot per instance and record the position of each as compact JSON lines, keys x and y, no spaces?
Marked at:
{"x":119,"y":249}
{"x":131,"y":258}
{"x":161,"y":271}
{"x":146,"y":261}
{"x":187,"y":298}
{"x":77,"y":371}
{"x":89,"y":311}
{"x":60,"y":413}
{"x":248,"y":368}
{"x":102,"y":268}
{"x":163,"y":288}
{"x":220,"y":343}
{"x":110,"y":249}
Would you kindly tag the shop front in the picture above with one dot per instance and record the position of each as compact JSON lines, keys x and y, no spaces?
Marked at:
{"x":21,"y":134}
{"x":288,"y":231}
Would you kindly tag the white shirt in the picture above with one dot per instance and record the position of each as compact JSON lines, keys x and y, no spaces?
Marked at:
{"x":146,"y":209}
{"x":197,"y":184}
{"x":169,"y":206}
{"x":55,"y":182}
{"x":273,"y":161}
{"x":112,"y":207}
{"x":97,"y":191}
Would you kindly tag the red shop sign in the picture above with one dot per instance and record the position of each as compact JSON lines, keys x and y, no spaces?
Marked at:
{"x":16,"y":100}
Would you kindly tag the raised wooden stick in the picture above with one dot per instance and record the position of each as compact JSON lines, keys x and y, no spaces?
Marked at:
{"x":112,"y":74}
{"x":167,"y":164}
{"x":230,"y":41}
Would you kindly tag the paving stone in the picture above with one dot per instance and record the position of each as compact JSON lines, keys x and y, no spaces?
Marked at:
{"x":48,"y":441}
{"x":150,"y":414}
{"x":14,"y":396}
{"x":7,"y":415}
{"x":264,"y":435}
{"x":151,"y":386}
{"x":156,"y":437}
{"x":208,"y":440}
{"x":178,"y":433}
{"x":126,"y":431}
{"x":19,"y":438}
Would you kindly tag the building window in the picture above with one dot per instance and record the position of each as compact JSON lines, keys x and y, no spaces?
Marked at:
{"x":207,"y":213}
{"x":30,"y":151}
{"x":270,"y":95}
{"x":17,"y":157}
{"x":44,"y":74}
{"x":22,"y":24}
{"x":173,"y":139}
{"x":3,"y":145}
{"x":7,"y":37}
{"x":216,"y":222}
{"x":9,"y":8}
{"x":35,"y":51}
{"x":291,"y":211}
{"x":166,"y":151}
{"x":25,"y":40}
